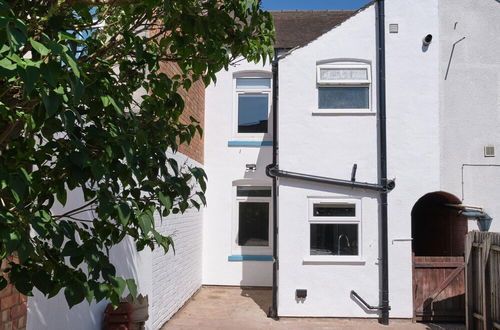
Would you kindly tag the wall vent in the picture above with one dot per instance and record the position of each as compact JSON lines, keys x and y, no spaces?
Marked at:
{"x":393,"y":28}
{"x":489,"y":151}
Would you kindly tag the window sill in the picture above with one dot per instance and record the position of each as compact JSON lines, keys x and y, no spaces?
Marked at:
{"x":333,"y":260}
{"x":343,"y":112}
{"x":249,"y":257}
{"x":250,"y":143}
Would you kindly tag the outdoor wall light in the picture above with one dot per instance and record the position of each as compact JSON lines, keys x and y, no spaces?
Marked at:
{"x":251,"y":167}
{"x":427,"y":40}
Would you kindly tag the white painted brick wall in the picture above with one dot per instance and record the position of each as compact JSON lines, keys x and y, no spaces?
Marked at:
{"x":176,"y":277}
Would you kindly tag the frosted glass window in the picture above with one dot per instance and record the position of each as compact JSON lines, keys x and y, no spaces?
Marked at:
{"x":253,"y":83}
{"x":343,"y":74}
{"x":253,"y":113}
{"x":343,"y":97}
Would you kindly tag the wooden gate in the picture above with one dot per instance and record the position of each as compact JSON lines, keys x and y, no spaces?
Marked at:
{"x":438,"y":289}
{"x":482,"y":256}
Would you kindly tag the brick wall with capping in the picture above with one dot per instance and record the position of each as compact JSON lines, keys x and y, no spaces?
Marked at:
{"x":13,"y":311}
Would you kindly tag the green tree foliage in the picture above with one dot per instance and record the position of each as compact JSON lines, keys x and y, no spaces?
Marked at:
{"x":69,"y":122}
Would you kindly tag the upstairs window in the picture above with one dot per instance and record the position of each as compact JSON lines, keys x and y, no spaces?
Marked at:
{"x":253,"y":105}
{"x":344,"y":86}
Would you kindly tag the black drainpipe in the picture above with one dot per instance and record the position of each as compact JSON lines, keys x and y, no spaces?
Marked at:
{"x":383,"y":187}
{"x":384,"y":269}
{"x":273,"y":312}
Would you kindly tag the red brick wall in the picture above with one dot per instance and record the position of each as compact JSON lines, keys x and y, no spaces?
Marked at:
{"x":194,"y":101}
{"x":13,"y":312}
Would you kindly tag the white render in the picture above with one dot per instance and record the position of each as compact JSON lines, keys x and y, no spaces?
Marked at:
{"x":226,"y":167}
{"x":331,"y":143}
{"x":470,"y":102}
{"x":168,"y":280}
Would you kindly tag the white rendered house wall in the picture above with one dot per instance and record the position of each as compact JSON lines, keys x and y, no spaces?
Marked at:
{"x":227,"y":154}
{"x":470,"y":103}
{"x":329,"y":143}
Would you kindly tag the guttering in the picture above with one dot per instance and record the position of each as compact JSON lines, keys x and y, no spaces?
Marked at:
{"x":274,"y":171}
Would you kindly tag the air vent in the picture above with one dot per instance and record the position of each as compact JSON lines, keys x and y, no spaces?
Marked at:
{"x":489,"y":151}
{"x":393,"y":28}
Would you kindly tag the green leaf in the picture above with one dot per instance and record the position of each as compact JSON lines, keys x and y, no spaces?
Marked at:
{"x":72,"y":63}
{"x":132,"y":287}
{"x":74,"y":293}
{"x":30,"y":76}
{"x":123,"y":213}
{"x":145,"y":222}
{"x":39,"y":47}
{"x":51,"y":103}
{"x":165,"y":200}
{"x":7,"y":64}
{"x":119,"y":285}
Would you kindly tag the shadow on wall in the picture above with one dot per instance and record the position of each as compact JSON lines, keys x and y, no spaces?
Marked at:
{"x":54,"y":313}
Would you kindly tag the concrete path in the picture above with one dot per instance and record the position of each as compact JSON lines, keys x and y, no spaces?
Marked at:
{"x":228,"y":308}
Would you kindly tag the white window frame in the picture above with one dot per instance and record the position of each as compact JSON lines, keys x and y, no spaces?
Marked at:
{"x":344,"y":83}
{"x":250,"y":250}
{"x":312,"y":219}
{"x":262,"y":91}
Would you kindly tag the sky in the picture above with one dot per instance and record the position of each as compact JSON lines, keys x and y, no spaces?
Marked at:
{"x":312,"y":4}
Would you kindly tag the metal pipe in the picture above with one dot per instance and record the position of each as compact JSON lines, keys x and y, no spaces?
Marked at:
{"x":364,"y":302}
{"x":273,"y":313}
{"x":384,"y":242}
{"x":274,"y":171}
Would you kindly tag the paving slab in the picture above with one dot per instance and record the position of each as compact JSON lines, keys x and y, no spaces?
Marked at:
{"x":235,"y":308}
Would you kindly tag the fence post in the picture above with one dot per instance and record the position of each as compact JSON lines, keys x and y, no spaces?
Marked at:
{"x":469,"y":239}
{"x":486,"y":245}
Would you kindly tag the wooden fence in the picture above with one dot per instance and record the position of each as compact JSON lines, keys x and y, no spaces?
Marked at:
{"x":482,"y":280}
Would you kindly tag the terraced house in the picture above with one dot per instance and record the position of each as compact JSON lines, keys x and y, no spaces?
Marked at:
{"x":366,"y":148}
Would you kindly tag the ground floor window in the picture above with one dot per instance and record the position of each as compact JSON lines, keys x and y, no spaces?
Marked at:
{"x":334,"y":227}
{"x":252,"y":223}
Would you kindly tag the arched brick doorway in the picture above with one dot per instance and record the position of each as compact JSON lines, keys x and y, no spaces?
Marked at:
{"x":438,"y":233}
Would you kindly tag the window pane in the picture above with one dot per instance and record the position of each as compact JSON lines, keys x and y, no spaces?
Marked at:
{"x":252,"y":113}
{"x":253,"y":83}
{"x":343,"y":97}
{"x":334,"y":210}
{"x":334,"y":239}
{"x":253,"y":223}
{"x":343,"y":74}
{"x":253,"y":191}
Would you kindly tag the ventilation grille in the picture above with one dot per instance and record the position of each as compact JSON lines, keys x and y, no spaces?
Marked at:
{"x":489,"y":151}
{"x":393,"y":28}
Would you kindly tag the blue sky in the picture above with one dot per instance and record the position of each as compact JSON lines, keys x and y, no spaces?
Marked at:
{"x":312,"y":4}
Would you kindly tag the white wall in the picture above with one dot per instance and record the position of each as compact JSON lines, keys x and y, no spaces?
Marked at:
{"x":328,"y":145}
{"x":224,"y":165}
{"x":470,"y":102}
{"x":169,"y":280}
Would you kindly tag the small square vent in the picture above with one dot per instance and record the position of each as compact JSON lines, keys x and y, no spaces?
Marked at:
{"x":489,"y":151}
{"x":393,"y":28}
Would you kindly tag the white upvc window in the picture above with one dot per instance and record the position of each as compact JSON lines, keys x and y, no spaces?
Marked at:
{"x":252,"y":105}
{"x":252,"y":225}
{"x":344,"y":87}
{"x":334,"y":228}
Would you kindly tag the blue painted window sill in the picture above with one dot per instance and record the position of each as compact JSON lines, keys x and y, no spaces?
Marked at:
{"x":249,"y":257}
{"x":250,"y":143}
